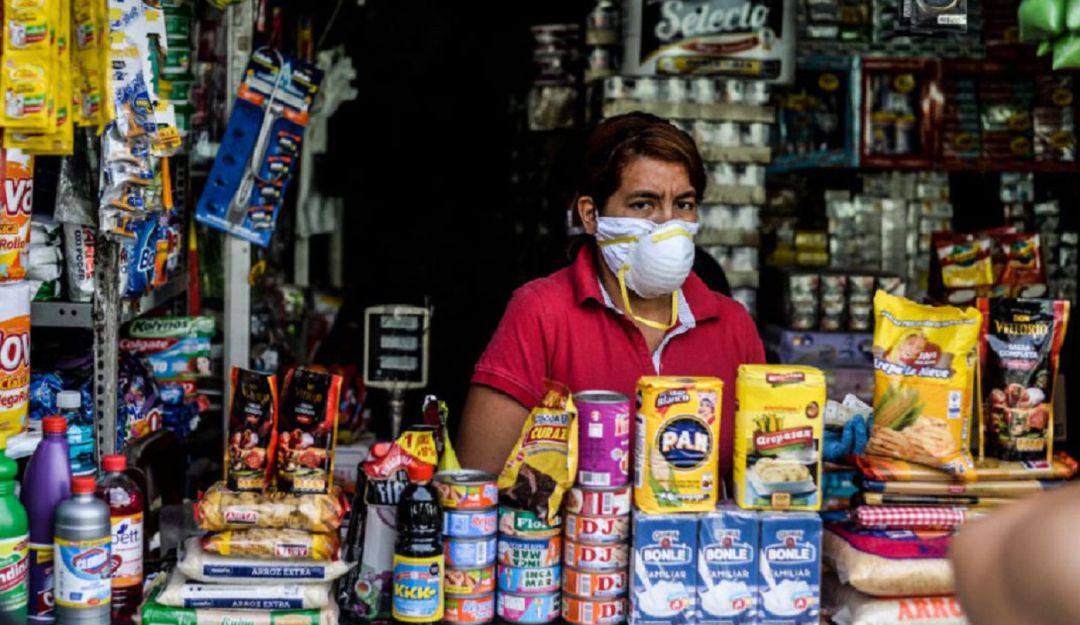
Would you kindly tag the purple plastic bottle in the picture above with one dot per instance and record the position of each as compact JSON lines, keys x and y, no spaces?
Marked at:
{"x":47,"y":482}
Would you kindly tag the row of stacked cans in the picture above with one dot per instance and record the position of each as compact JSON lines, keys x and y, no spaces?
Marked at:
{"x":530,"y":568}
{"x":597,"y":522}
{"x":470,"y":526}
{"x":727,"y":567}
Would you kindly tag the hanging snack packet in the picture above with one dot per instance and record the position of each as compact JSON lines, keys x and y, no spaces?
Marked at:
{"x":1022,"y":261}
{"x":966,"y":261}
{"x":924,"y":361}
{"x":253,"y":416}
{"x":274,"y":543}
{"x":307,"y":431}
{"x":1021,"y":342}
{"x":544,"y":460}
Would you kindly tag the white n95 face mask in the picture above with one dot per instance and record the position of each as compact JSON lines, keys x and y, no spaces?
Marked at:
{"x":651,"y":259}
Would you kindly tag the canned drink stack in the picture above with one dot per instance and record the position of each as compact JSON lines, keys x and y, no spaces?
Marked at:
{"x":470,"y":526}
{"x":596,"y":524}
{"x":530,"y":567}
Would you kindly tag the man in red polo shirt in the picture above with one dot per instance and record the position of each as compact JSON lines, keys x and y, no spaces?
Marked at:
{"x":628,"y":306}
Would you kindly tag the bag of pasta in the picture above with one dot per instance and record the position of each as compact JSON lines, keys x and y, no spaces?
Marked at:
{"x":924,"y":365}
{"x":220,"y":509}
{"x":543,"y":463}
{"x":274,"y":543}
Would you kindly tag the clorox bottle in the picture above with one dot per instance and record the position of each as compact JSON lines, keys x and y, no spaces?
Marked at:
{"x":418,"y":555}
{"x":83,"y":556}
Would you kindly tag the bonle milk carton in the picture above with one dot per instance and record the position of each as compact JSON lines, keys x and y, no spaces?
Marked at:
{"x":790,"y":565}
{"x":727,"y":565}
{"x":665,"y":576}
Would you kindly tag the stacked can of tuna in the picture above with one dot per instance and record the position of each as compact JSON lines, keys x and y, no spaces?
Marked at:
{"x":530,"y":567}
{"x":470,"y":525}
{"x":597,"y":522}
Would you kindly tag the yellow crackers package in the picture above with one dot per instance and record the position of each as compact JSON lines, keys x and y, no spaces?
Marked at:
{"x":924,"y":361}
{"x":543,"y":463}
{"x":778,"y":437}
{"x":677,"y":444}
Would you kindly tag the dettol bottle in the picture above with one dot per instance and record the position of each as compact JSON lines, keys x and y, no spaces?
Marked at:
{"x":14,"y":543}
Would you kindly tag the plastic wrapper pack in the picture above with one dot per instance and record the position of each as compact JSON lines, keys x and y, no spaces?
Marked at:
{"x":155,"y":613}
{"x":851,"y":607}
{"x":279,"y":543}
{"x":139,"y":403}
{"x":924,"y":364}
{"x":307,"y":431}
{"x":878,"y":469}
{"x":220,"y":510}
{"x":543,"y":463}
{"x":1006,"y":489}
{"x":890,"y":564}
{"x":180,"y":592}
{"x":206,"y":567}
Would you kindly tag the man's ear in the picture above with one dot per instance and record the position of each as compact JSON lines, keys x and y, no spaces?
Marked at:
{"x":588,"y":213}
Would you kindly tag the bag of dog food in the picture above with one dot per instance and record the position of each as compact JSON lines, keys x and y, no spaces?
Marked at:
{"x":924,"y":361}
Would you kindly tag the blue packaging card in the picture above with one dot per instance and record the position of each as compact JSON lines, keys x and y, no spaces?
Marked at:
{"x":790,"y":564}
{"x":727,"y":564}
{"x":664,"y":569}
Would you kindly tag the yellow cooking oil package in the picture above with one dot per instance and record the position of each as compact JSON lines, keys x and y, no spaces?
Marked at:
{"x":543,"y":464}
{"x":779,"y":421}
{"x":676,"y":446}
{"x":924,"y":373}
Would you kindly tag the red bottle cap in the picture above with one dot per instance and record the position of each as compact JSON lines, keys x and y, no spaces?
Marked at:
{"x":421,"y":472}
{"x":114,"y":463}
{"x":83,"y":484}
{"x":54,"y":425}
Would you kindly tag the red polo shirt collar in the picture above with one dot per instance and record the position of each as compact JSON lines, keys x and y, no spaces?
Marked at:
{"x":699,"y":298}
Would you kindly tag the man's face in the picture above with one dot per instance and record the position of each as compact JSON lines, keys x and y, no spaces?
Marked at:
{"x":649,"y":189}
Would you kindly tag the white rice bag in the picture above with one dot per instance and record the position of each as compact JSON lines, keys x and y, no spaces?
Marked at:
{"x":890,"y":564}
{"x":184,"y":593}
{"x":851,"y":607}
{"x":221,"y":569}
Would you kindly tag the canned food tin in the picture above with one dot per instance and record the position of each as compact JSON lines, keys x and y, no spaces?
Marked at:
{"x":528,"y":609}
{"x":470,"y":553}
{"x":596,"y":557}
{"x":581,"y":611}
{"x":598,"y":501}
{"x":597,"y":529}
{"x":525,"y":524}
{"x":467,"y":490}
{"x":530,"y":581}
{"x":524,"y":553}
{"x":473,"y":609}
{"x":469,"y":581}
{"x":470,"y":523}
{"x":603,"y":439}
{"x":596,"y":583}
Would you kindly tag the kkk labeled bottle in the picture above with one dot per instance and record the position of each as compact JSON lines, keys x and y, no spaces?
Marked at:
{"x":418,"y":554}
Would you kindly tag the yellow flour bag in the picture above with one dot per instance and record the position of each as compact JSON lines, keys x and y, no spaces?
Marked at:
{"x":543,"y":463}
{"x":924,"y":362}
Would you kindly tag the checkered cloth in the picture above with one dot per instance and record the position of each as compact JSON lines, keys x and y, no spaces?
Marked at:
{"x":910,"y":517}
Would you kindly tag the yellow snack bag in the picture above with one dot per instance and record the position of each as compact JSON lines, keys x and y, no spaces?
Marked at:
{"x":27,"y":25}
{"x":924,"y":361}
{"x":778,"y":434}
{"x":677,"y":444}
{"x":543,"y":463}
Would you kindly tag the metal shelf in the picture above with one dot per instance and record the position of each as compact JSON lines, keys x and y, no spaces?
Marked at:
{"x":62,"y":315}
{"x":132,"y":308}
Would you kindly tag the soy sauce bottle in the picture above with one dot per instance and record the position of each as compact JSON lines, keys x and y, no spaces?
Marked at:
{"x":418,"y":554}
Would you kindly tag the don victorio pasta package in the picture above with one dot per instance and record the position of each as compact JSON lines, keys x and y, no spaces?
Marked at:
{"x":924,"y":369}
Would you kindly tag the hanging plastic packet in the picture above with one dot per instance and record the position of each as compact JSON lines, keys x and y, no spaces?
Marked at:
{"x":79,"y":245}
{"x":28,"y":66}
{"x":16,"y":203}
{"x":543,"y":463}
{"x":938,"y":16}
{"x":88,"y":41}
{"x":139,"y":402}
{"x":140,"y":255}
{"x":1021,"y":343}
{"x":59,"y":138}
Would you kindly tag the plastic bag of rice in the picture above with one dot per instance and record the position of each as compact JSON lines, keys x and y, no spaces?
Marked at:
{"x":182,"y":592}
{"x":890,"y":563}
{"x":206,"y":567}
{"x":851,"y":607}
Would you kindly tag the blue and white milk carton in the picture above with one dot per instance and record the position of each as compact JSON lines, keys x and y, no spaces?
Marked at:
{"x":727,"y":564}
{"x":665,"y":576}
{"x":790,"y":564}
